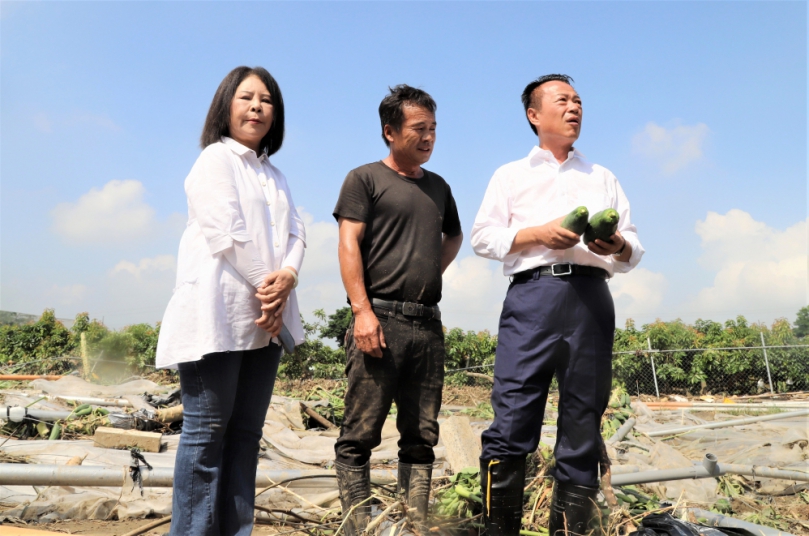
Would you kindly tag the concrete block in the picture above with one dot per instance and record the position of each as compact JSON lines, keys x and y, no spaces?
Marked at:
{"x":461,"y":444}
{"x":115,"y":438}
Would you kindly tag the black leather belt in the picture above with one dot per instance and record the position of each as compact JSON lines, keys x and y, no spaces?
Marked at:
{"x":559,"y":270}
{"x":408,"y":308}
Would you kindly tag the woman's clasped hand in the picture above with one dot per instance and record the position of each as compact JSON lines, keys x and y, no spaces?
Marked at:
{"x":273,"y":294}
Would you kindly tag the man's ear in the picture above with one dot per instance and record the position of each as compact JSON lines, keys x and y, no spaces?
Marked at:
{"x":533,"y":116}
{"x":388,"y":131}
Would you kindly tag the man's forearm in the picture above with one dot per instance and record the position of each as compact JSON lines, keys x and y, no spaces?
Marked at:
{"x":449,"y":249}
{"x":351,"y":271}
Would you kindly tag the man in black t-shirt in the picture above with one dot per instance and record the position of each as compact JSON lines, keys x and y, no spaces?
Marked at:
{"x":399,"y":230}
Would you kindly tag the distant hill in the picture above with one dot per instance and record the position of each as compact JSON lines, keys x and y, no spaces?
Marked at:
{"x":9,"y":318}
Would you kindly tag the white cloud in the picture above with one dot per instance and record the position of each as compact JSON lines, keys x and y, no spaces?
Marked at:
{"x":761,"y":272}
{"x":320,"y":284}
{"x":146,"y":267}
{"x":637,"y":295}
{"x":114,"y":215}
{"x":672,"y":148}
{"x":473,"y":294}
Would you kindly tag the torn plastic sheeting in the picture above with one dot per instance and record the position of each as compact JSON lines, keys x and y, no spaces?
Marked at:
{"x":75,"y":386}
{"x":14,"y":474}
{"x":718,"y":520}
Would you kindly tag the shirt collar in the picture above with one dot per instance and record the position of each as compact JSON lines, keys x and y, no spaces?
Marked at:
{"x":539,"y":156}
{"x":240,"y":149}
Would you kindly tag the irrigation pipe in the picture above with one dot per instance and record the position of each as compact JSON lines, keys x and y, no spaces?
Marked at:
{"x":724,"y":424}
{"x":718,"y":520}
{"x":710,"y":468}
{"x":18,"y":414}
{"x":727,"y":405}
{"x":622,"y":431}
{"x":159,"y":477}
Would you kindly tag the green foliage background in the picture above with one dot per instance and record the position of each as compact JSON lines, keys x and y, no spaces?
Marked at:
{"x":48,"y":347}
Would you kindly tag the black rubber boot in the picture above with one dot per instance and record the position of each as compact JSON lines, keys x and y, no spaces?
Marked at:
{"x":414,"y":489}
{"x":501,"y":484}
{"x":573,"y":511}
{"x":355,"y":489}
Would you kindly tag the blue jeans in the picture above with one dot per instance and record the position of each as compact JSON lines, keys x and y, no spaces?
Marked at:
{"x":225,"y":398}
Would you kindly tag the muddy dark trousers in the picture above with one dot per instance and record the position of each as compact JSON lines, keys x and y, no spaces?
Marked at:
{"x":553,"y":325}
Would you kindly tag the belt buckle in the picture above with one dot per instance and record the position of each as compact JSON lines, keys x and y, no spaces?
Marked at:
{"x":569,"y":271}
{"x":412,"y":309}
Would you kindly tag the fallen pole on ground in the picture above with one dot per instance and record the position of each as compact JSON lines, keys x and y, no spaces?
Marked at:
{"x":622,"y":431}
{"x":20,"y":474}
{"x":730,"y":405}
{"x":710,"y":468}
{"x":718,"y":520}
{"x":724,"y":424}
{"x":18,"y":414}
{"x":28,"y":377}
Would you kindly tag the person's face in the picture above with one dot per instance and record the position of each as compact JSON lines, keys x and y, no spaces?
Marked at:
{"x":415,"y":140}
{"x":251,"y":112}
{"x":560,"y":113}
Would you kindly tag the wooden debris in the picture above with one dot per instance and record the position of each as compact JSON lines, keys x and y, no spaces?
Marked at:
{"x":115,"y":438}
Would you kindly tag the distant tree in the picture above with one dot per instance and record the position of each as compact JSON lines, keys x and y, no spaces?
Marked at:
{"x":802,"y":323}
{"x":337,"y":326}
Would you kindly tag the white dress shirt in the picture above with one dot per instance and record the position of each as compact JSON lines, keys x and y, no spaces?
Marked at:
{"x":234,"y":197}
{"x":537,"y":189}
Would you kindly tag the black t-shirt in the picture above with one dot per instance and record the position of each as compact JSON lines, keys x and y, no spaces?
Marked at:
{"x":401,"y":250}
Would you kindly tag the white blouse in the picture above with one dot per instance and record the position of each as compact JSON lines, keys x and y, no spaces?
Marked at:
{"x":233,"y":196}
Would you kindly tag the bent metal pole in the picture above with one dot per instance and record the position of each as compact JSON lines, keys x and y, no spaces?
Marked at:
{"x":710,"y":468}
{"x":20,"y":474}
{"x":723,"y":424}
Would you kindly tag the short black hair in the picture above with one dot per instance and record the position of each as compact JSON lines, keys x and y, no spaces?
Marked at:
{"x":529,"y":90}
{"x":391,"y":109}
{"x":217,"y":123}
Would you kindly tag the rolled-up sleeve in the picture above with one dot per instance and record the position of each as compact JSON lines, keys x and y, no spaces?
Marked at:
{"x":211,"y":191}
{"x":491,"y":235}
{"x":628,"y":231}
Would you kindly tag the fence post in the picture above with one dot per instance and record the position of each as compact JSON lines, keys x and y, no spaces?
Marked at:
{"x":766,"y":361}
{"x":652,"y":358}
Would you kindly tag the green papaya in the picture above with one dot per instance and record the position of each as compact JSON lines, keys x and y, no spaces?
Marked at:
{"x":602,"y":225}
{"x":576,"y":221}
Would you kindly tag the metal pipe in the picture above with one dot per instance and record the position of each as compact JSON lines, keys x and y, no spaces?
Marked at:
{"x":19,"y":474}
{"x":724,"y":424}
{"x":729,"y":406}
{"x":766,"y":361}
{"x":718,"y":520}
{"x":710,"y":468}
{"x":622,"y":431}
{"x":652,"y":358}
{"x":17,"y":414}
{"x":28,"y":377}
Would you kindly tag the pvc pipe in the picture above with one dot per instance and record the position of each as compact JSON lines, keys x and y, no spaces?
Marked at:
{"x":17,"y":414}
{"x":14,"y":474}
{"x":730,"y":406}
{"x":709,"y":469}
{"x":766,"y":361}
{"x":724,"y":424}
{"x":718,"y":520}
{"x":652,"y":359}
{"x":28,"y":377}
{"x":622,"y":431}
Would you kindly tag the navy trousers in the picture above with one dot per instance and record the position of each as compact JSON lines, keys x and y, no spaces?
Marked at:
{"x":553,"y":325}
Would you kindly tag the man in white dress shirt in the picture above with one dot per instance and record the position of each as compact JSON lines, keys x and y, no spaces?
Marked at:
{"x":558,"y":315}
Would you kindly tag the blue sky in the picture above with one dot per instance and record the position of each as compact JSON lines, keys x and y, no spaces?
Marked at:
{"x":699,"y":108}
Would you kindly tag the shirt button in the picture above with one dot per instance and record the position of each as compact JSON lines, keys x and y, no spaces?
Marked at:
{"x":276,"y":244}
{"x":272,"y":223}
{"x":268,"y":203}
{"x":263,"y":183}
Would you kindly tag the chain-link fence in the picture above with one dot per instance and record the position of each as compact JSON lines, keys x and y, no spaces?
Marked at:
{"x":733,"y":371}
